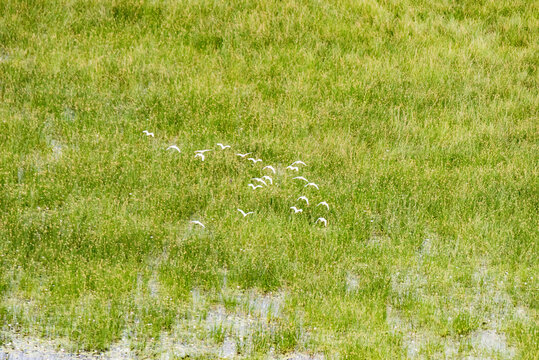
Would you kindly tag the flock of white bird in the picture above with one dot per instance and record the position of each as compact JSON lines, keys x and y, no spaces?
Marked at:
{"x":262,"y":181}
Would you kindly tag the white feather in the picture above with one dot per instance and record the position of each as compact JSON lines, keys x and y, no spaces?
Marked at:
{"x":174,"y":147}
{"x":324,"y":204}
{"x":244,"y":213}
{"x":198,"y":223}
{"x":269,"y":167}
{"x":312,"y":184}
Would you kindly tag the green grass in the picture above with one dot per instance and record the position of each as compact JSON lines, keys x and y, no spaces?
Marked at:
{"x":417,"y":119}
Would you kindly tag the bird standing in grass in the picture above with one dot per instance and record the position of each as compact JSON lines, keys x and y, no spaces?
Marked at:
{"x":148,"y":133}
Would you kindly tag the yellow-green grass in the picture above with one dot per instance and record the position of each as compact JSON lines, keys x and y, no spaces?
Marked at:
{"x":417,"y":119}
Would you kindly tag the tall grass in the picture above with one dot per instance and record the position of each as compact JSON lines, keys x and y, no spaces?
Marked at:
{"x":417,"y":119}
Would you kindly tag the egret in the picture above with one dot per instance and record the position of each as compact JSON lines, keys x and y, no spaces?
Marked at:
{"x":255,"y":186}
{"x":322,"y":220}
{"x":174,"y":147}
{"x":254,"y":160}
{"x":304,"y":198}
{"x":198,"y":223}
{"x":243,"y":155}
{"x":269,"y":167}
{"x":296,"y":210}
{"x":294,"y":168}
{"x":268,"y":178}
{"x":312,"y":184}
{"x":200,"y":155}
{"x":202,"y":151}
{"x":299,"y":162}
{"x":223,"y":146}
{"x":300,"y":178}
{"x":244,"y":213}
{"x":148,"y":133}
{"x":324,"y":204}
{"x":260,"y":181}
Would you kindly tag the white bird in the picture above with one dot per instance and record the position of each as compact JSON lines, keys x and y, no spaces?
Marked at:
{"x":244,"y":213}
{"x":260,"y":181}
{"x":300,"y":178}
{"x":268,"y":178}
{"x":312,"y":184}
{"x":223,"y":146}
{"x":296,"y":210}
{"x":255,"y":186}
{"x":303,"y":198}
{"x":322,"y":220}
{"x":269,"y":167}
{"x":323,"y":203}
{"x":295,"y":168}
{"x":254,"y":160}
{"x":243,"y":155}
{"x":148,"y":133}
{"x":298,"y":162}
{"x":198,"y":223}
{"x":174,"y":147}
{"x":202,"y":151}
{"x":200,"y":155}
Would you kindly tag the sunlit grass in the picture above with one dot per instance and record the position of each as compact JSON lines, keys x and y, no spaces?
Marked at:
{"x":418,"y":120}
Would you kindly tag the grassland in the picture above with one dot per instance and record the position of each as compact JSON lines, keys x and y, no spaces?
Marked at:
{"x":418,"y":119}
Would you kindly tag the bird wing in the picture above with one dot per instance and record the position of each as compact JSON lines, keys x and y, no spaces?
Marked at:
{"x":323,"y":203}
{"x":198,"y":223}
{"x":261,"y":181}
